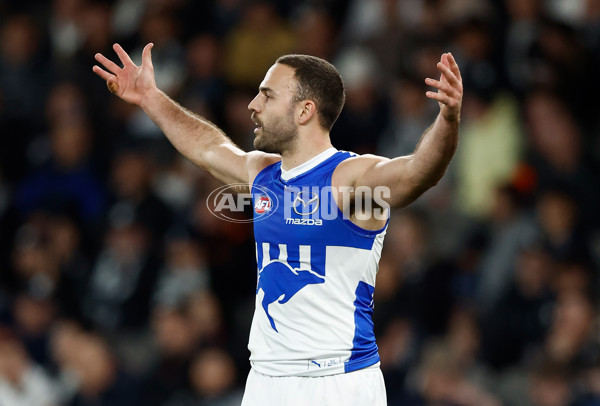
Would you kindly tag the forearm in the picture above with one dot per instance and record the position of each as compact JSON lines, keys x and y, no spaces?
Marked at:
{"x":193,"y":136}
{"x":434,"y":152}
{"x":407,"y":177}
{"x":196,"y":138}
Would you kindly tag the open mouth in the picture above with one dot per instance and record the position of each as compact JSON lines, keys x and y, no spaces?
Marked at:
{"x":257,"y":123}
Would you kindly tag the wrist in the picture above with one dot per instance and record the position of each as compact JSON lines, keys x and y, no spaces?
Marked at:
{"x":149,"y":98}
{"x":452,"y":119}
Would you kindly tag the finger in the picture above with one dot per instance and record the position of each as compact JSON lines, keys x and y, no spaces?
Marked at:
{"x":441,"y":97}
{"x":447,"y":73}
{"x":147,"y":54}
{"x":125,"y":59}
{"x":444,"y":58}
{"x":442,"y":86}
{"x":103,"y":74}
{"x":112,"y":86}
{"x":108,"y":64}
{"x":454,"y":66}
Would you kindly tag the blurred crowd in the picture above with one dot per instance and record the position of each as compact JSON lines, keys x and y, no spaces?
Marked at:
{"x":119,"y":287}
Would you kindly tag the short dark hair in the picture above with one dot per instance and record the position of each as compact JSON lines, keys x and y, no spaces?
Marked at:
{"x":319,"y":81}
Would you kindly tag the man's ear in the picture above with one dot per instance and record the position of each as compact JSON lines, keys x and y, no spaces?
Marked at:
{"x":307,"y":112}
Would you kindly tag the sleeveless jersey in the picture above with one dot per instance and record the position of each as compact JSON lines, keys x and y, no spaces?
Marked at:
{"x":316,"y":277}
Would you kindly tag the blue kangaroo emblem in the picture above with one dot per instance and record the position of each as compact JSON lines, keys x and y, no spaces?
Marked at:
{"x":279,"y":281}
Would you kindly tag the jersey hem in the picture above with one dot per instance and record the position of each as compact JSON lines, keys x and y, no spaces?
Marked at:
{"x":361,"y":364}
{"x":348,"y":367}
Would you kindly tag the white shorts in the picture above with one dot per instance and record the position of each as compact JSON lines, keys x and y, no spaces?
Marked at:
{"x":357,"y":388}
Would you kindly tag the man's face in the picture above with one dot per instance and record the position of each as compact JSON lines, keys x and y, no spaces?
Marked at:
{"x":273,"y":111}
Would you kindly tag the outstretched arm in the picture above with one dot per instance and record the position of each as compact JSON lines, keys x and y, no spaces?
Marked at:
{"x":408,"y":177}
{"x":199,"y":140}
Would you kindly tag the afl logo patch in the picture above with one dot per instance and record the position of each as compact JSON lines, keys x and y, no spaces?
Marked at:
{"x":263,"y":205}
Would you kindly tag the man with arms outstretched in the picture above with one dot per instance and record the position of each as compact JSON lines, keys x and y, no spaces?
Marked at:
{"x":318,"y":249}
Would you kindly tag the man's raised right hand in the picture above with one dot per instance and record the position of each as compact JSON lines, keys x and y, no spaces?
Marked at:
{"x":131,"y":82}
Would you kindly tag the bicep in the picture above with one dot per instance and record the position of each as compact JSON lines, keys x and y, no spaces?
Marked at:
{"x":230,"y":164}
{"x":227,"y":163}
{"x":391,"y":178}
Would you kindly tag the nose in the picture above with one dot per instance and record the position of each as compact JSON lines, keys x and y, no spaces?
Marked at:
{"x":254,"y":105}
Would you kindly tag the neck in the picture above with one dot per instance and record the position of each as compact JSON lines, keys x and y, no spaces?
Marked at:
{"x":303,"y":150}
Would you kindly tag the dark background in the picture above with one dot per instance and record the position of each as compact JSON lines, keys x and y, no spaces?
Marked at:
{"x":118,"y":287}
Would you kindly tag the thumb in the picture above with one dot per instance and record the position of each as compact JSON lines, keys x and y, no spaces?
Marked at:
{"x":147,"y":55}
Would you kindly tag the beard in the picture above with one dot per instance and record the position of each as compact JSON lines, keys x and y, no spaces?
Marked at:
{"x":277,"y":137}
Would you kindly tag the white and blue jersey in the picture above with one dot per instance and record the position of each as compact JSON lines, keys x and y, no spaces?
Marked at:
{"x":316,"y":275}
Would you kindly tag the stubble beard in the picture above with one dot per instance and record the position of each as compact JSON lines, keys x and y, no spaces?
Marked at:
{"x":278,"y":138}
